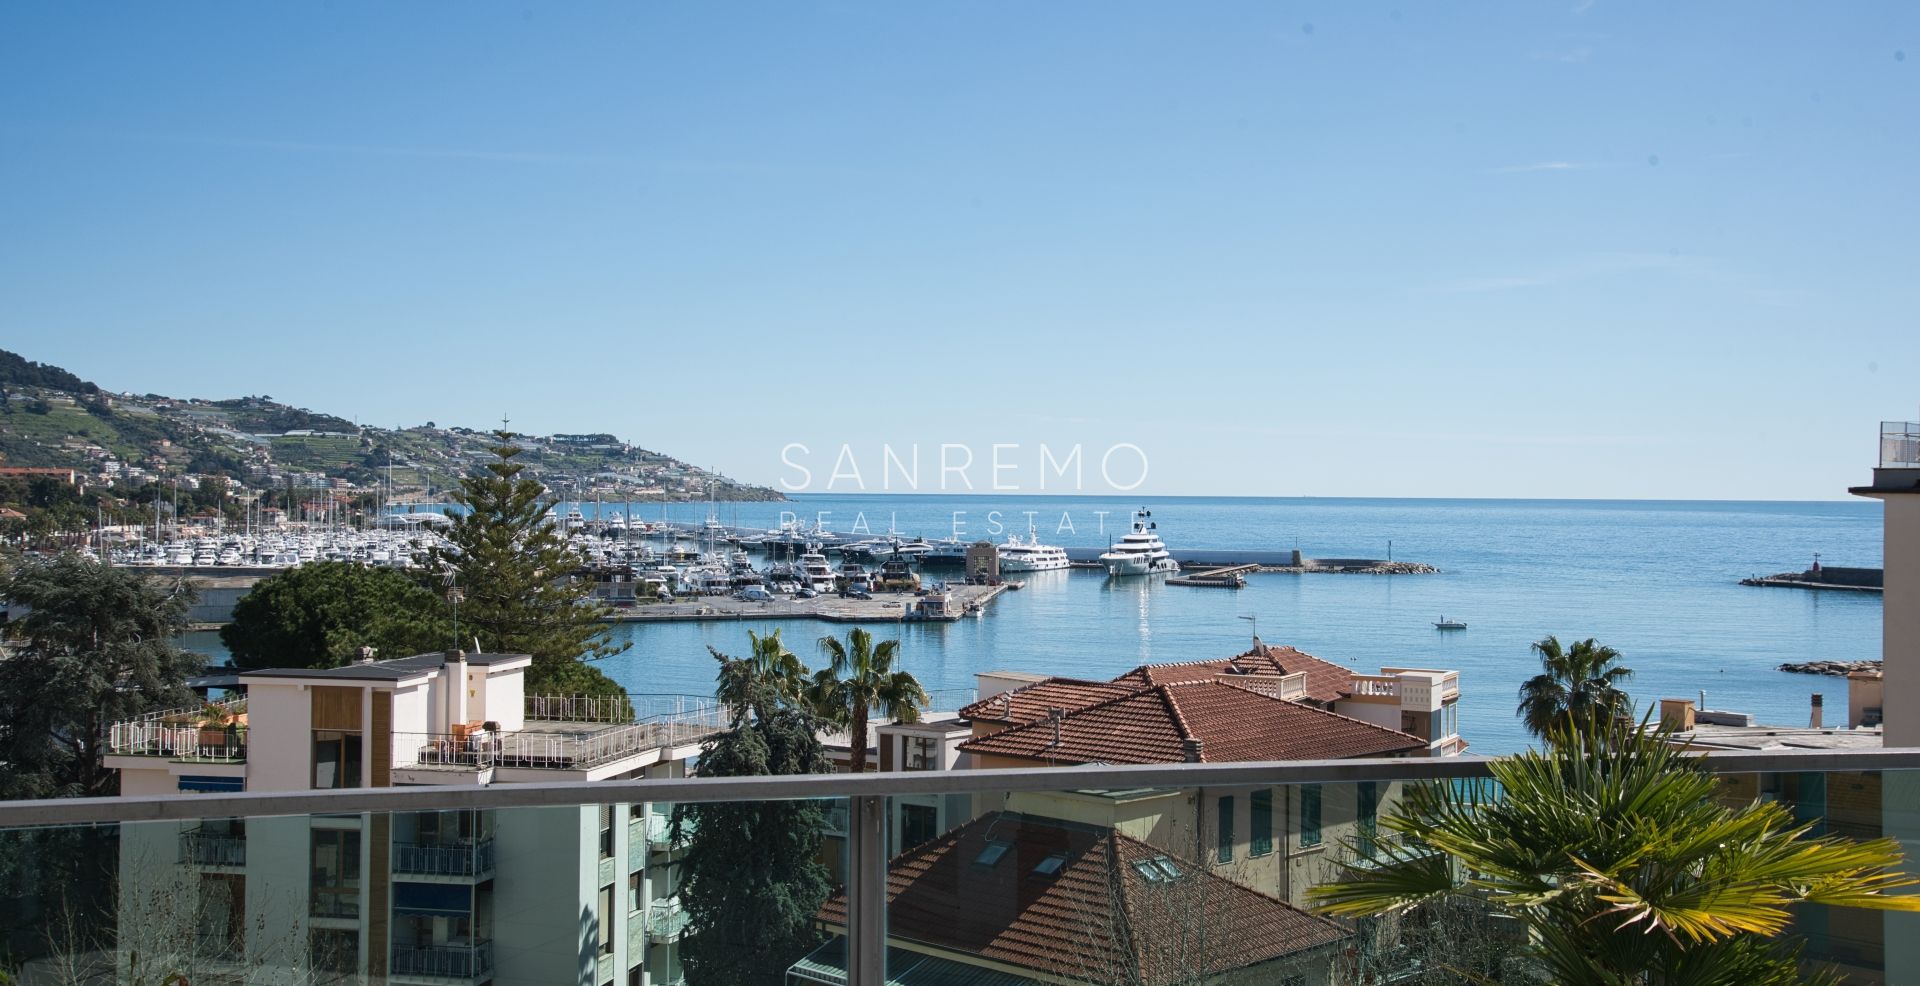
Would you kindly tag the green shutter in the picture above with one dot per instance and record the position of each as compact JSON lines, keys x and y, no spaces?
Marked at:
{"x":1226,"y":830}
{"x":1310,"y":815}
{"x":1261,"y":804}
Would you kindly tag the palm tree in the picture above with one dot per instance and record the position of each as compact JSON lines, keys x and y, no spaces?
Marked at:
{"x":769,"y":670}
{"x":1620,"y":861}
{"x":859,"y":681}
{"x":1580,"y":684}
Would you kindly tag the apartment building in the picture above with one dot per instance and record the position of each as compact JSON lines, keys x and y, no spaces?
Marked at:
{"x":461,"y":897}
{"x":1269,"y":703}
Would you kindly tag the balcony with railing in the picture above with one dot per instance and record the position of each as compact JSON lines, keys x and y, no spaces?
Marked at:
{"x":1034,"y":838}
{"x":1900,"y":444}
{"x":459,"y":860}
{"x":212,"y":850}
{"x":575,"y":744}
{"x":444,"y":962}
{"x":214,"y":733}
{"x":666,"y":920}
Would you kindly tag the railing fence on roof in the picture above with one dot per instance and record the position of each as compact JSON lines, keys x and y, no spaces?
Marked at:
{"x":1900,"y":444}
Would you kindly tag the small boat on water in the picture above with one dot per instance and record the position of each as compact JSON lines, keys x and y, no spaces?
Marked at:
{"x":1448,"y":623}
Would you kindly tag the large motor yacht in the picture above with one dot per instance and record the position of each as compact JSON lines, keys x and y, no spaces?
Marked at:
{"x":1140,"y":552}
{"x":1030,"y":555}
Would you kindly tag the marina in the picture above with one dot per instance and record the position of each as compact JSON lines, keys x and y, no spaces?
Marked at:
{"x":1649,"y":578}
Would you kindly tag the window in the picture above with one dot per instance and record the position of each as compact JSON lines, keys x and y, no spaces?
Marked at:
{"x":1369,"y":817}
{"x":605,"y":920}
{"x":1225,"y":816}
{"x":918,"y":824}
{"x":992,"y":853}
{"x":334,"y":949}
{"x":1260,"y":803}
{"x":606,"y":831}
{"x":1309,"y":815}
{"x":1050,"y":866}
{"x":636,"y":892}
{"x":1159,"y":869}
{"x":336,"y":759}
{"x":335,"y":873}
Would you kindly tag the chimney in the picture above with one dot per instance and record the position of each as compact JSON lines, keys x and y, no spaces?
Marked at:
{"x":1056,"y":716}
{"x":366,"y":655}
{"x":1191,"y":748}
{"x":455,"y":673}
{"x":1676,"y":715}
{"x":1817,"y":699}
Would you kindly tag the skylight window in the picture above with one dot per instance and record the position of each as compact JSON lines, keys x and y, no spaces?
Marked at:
{"x":992,"y":853}
{"x":1159,"y":869}
{"x":1050,"y":865}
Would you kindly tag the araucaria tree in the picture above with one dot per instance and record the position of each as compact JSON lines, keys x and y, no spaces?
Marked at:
{"x":1580,"y":685}
{"x":752,"y":881}
{"x":518,"y":581}
{"x":97,"y":647}
{"x":320,"y":614}
{"x":1616,"y":855}
{"x":861,"y":681}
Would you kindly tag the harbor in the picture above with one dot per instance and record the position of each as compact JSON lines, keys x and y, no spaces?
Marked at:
{"x":959,"y":602}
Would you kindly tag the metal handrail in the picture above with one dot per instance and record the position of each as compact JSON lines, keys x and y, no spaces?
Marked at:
{"x":82,"y":811}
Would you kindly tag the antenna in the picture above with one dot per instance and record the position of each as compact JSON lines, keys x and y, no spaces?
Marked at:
{"x":1254,"y":618}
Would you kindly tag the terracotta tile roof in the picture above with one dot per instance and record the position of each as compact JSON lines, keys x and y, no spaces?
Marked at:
{"x":1327,"y":682}
{"x":1163,"y":724}
{"x":1031,"y":703}
{"x":943,"y":895}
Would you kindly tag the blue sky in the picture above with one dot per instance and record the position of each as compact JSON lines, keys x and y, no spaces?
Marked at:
{"x":1549,"y":249}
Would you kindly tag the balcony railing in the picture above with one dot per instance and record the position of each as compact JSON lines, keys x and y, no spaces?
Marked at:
{"x":1880,"y":788}
{"x":210,"y":849}
{"x":473,"y":961}
{"x":444,"y":859}
{"x":1900,"y":444}
{"x":556,"y":749}
{"x":213,"y":734}
{"x":666,"y":920}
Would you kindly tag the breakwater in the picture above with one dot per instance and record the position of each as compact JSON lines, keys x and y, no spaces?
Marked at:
{"x":1824,"y":577}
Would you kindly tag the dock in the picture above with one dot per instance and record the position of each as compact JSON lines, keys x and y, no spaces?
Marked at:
{"x":1230,"y":577}
{"x":888,"y":607}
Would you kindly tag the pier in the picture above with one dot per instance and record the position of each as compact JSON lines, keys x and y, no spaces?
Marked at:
{"x":890,"y":607}
{"x":1231,"y":577}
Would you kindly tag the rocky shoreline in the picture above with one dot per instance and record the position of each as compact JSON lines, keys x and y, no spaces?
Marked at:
{"x":1838,"y":669}
{"x":1372,"y":568}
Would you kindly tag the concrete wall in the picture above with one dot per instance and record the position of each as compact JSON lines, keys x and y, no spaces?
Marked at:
{"x":279,"y":758}
{"x":1900,"y":620}
{"x":545,"y":866}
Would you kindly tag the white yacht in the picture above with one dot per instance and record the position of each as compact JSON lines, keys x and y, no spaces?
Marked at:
{"x":815,"y":573}
{"x":1140,"y":552}
{"x":947,"y":551}
{"x":1030,"y":555}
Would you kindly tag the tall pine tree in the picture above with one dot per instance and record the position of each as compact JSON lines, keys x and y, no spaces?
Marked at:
{"x":518,"y":581}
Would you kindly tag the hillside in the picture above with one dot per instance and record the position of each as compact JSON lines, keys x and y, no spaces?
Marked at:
{"x":49,"y":417}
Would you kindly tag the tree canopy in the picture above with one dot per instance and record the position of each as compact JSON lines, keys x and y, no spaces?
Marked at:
{"x":97,"y":647}
{"x":859,"y":682}
{"x":753,"y":882}
{"x":320,"y":614}
{"x":518,"y":581}
{"x":1578,"y":685}
{"x":1623,"y":861}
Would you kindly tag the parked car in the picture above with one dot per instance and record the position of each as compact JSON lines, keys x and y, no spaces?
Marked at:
{"x":753,"y":594}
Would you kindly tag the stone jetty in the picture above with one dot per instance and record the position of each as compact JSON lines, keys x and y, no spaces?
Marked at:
{"x":1838,"y":669}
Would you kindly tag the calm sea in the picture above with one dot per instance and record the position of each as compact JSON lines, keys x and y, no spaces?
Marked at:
{"x":1656,"y":580}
